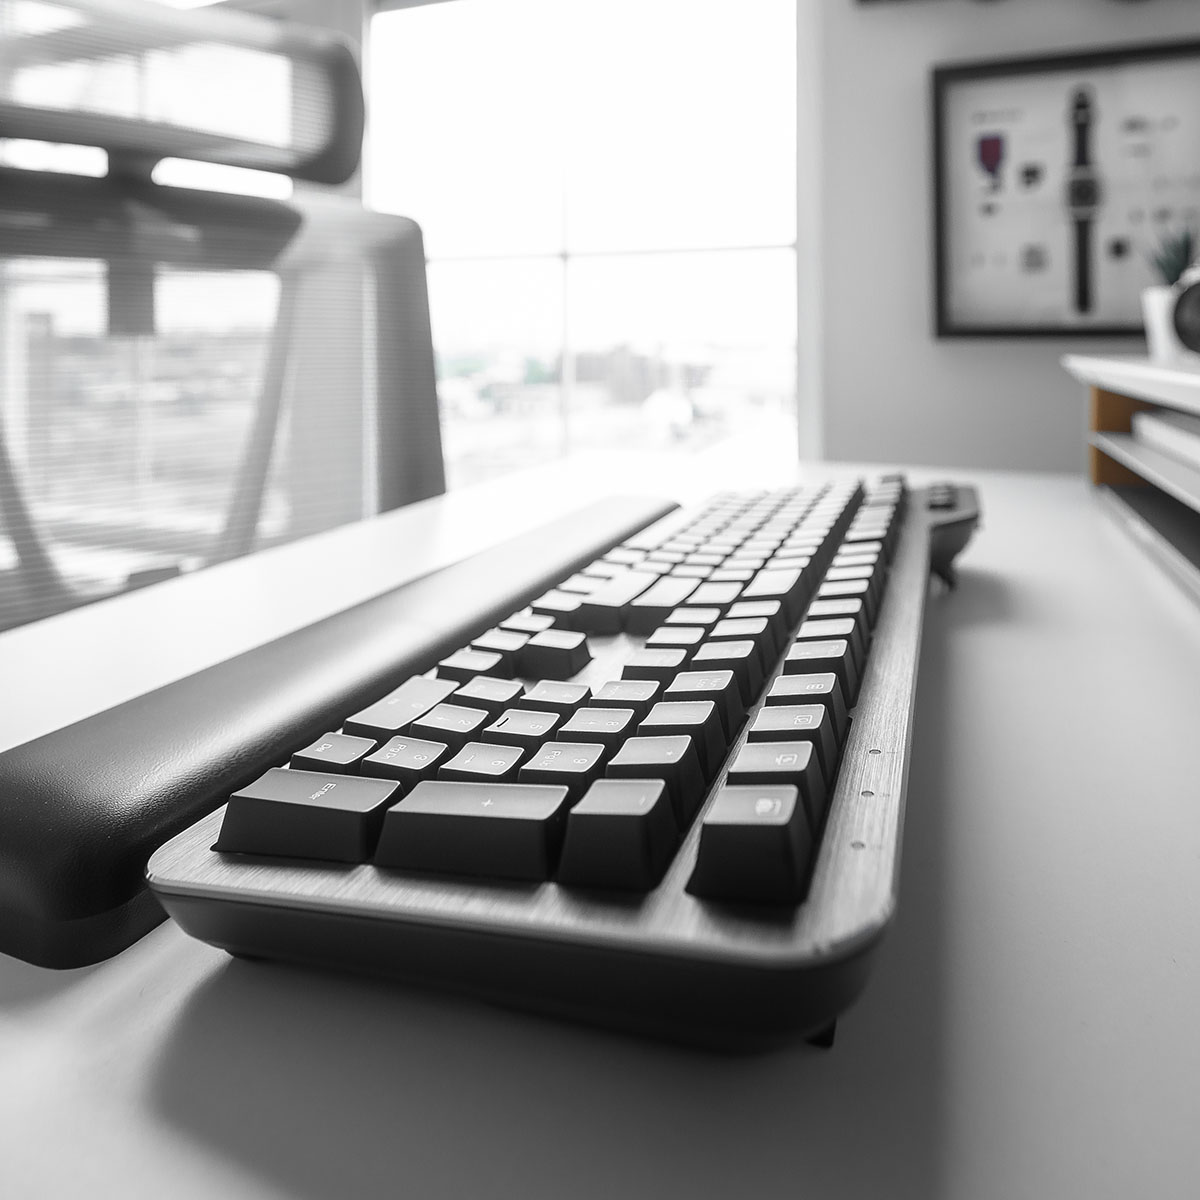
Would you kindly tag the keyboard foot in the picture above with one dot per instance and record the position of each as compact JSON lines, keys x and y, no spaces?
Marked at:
{"x":823,"y":1038}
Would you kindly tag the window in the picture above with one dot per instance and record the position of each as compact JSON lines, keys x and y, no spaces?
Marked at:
{"x":608,"y":194}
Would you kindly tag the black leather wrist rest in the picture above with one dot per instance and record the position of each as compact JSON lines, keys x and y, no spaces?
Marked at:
{"x":82,"y":809}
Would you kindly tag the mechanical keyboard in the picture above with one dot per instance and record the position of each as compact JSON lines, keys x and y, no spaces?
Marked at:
{"x":650,"y":776}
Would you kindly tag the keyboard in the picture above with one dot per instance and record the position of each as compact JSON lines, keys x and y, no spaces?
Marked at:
{"x":644,"y":768}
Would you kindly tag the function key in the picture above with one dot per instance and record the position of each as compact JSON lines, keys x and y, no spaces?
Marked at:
{"x":477,"y":762}
{"x":407,"y":760}
{"x":336,"y":753}
{"x":671,"y":759}
{"x":620,"y":835}
{"x":755,"y":846}
{"x":682,"y":636}
{"x":637,"y":694}
{"x":840,"y":589}
{"x":399,"y":708}
{"x":573,"y":765}
{"x":306,"y":814}
{"x":555,"y":654}
{"x":770,"y":610}
{"x":492,"y":695}
{"x":498,"y":830}
{"x":823,"y":628}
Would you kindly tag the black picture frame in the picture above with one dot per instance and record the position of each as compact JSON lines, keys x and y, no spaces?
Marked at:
{"x":942,"y":81}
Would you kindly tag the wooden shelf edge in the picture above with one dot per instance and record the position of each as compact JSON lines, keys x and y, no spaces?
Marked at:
{"x":1150,"y":466}
{"x":1170,"y":385}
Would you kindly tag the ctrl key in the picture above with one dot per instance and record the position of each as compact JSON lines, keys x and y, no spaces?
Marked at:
{"x":755,"y":846}
{"x":307,"y":814}
{"x":498,"y":830}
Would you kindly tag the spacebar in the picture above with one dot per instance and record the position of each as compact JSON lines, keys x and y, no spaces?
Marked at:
{"x":117,"y":785}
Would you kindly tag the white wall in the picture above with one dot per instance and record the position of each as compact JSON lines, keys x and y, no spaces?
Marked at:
{"x":886,"y":388}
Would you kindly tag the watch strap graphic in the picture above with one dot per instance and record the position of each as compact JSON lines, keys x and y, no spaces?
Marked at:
{"x":1083,"y":264}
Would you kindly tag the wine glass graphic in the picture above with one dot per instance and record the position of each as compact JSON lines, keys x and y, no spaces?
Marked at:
{"x":990,"y":150}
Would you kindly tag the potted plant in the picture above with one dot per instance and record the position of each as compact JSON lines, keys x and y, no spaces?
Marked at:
{"x":1172,"y":258}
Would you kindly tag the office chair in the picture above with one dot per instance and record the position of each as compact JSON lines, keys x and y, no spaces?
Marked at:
{"x":328,"y":254}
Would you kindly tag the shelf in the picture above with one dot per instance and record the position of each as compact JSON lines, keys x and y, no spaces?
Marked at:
{"x":1175,"y":385}
{"x":1173,"y":477}
{"x":1163,"y":527}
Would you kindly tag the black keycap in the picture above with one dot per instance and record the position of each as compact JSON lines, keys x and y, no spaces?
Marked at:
{"x":755,"y":846}
{"x":307,"y":814}
{"x":406,"y":759}
{"x":620,"y":835}
{"x":798,"y":723}
{"x":851,"y":607}
{"x":849,"y":587}
{"x":740,"y":657}
{"x":499,"y":830}
{"x":555,"y":654}
{"x":464,"y":665}
{"x":822,"y":688}
{"x":527,"y":621}
{"x":580,"y":585}
{"x":607,"y":727}
{"x":717,"y":595}
{"x":453,"y":724}
{"x":478,"y":762}
{"x":808,"y":658}
{"x":638,"y":694}
{"x":752,"y":629}
{"x":649,"y":610}
{"x":505,"y":642}
{"x":693,"y":615}
{"x":604,"y":610}
{"x":825,"y":628}
{"x":549,"y":695}
{"x":490,"y":694}
{"x":657,"y":664}
{"x":766,"y":764}
{"x":697,"y":719}
{"x":603,"y":570}
{"x":624,"y":556}
{"x":573,"y":765}
{"x":671,"y":759}
{"x":785,"y":584}
{"x":562,"y":607}
{"x":772,"y":611}
{"x":399,"y":708}
{"x":335,"y":753}
{"x":685,"y":637}
{"x":522,"y":728}
{"x":718,"y":686}
{"x":732,"y":575}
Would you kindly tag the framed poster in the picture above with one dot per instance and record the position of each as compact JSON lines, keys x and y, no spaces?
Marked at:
{"x":1054,"y":181}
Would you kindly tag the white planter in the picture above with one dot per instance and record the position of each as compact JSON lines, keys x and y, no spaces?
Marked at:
{"x":1158,"y":310}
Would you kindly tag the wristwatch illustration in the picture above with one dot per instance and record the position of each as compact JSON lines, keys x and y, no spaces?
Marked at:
{"x":1083,"y":195}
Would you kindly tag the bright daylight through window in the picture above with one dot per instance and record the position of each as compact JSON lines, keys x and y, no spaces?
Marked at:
{"x":607,"y":190}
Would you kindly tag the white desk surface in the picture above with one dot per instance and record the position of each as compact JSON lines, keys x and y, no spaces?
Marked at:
{"x":1032,"y":1028}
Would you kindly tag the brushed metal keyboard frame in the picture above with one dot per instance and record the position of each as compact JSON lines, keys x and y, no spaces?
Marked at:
{"x":664,"y":963}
